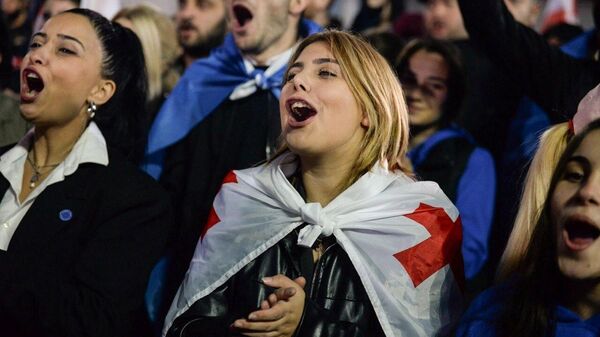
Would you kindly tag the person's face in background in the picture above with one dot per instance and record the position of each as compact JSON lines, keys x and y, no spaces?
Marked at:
{"x":257,"y":24}
{"x":443,"y":20}
{"x":54,"y":7}
{"x":316,"y":6}
{"x":524,"y":11}
{"x":575,"y":210}
{"x":425,"y":85}
{"x":11,"y":6}
{"x":201,"y":25}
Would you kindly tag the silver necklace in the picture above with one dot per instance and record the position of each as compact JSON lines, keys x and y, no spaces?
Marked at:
{"x":37,"y":170}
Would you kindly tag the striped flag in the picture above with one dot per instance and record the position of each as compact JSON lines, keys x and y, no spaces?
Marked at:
{"x":559,"y":11}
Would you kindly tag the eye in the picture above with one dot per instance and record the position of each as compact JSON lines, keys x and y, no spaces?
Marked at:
{"x":66,"y":51}
{"x":34,"y":45}
{"x":326,"y":73}
{"x":289,"y":77}
{"x":573,"y":176}
{"x":438,"y":86}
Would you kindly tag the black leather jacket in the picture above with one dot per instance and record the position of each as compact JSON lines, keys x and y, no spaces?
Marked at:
{"x":336,"y":301}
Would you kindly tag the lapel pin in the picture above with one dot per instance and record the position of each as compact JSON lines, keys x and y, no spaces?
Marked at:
{"x":65,"y":215}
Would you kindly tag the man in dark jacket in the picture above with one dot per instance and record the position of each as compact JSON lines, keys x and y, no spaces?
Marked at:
{"x":555,"y":81}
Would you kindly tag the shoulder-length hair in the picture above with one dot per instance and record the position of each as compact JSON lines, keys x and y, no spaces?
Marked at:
{"x":378,"y":95}
{"x":552,"y":144}
{"x":530,"y":308}
{"x":157,"y":34}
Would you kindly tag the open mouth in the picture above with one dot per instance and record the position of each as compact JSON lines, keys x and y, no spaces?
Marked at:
{"x":242,"y":15}
{"x":580,"y":234}
{"x":301,"y":110}
{"x":32,"y":85}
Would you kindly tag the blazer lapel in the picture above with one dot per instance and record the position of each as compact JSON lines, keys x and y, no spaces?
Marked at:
{"x":58,"y":207}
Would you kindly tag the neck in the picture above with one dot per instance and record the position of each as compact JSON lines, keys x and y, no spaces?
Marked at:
{"x":323,"y":177}
{"x":189,"y":59}
{"x":582,"y":297}
{"x":321,"y":18}
{"x":52,"y":144}
{"x":286,"y":41}
{"x":420,"y":135}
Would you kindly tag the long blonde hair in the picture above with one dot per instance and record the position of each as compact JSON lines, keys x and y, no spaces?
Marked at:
{"x":552,"y":144}
{"x":157,"y":34}
{"x":377,"y":91}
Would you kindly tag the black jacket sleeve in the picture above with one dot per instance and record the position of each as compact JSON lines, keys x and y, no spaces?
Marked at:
{"x":242,"y":294}
{"x":551,"y":78}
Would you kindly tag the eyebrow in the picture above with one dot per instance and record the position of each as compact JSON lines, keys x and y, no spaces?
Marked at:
{"x":321,"y":60}
{"x":62,"y":36}
{"x":436,"y":78}
{"x":580,"y":160}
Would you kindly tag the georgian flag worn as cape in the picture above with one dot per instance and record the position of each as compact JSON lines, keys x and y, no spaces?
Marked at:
{"x":403,"y":238}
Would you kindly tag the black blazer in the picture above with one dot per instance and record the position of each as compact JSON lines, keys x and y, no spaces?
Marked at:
{"x":79,"y":261}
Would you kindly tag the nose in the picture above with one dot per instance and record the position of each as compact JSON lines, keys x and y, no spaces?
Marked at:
{"x":38,"y":55}
{"x":300,"y":83}
{"x":186,"y":10}
{"x":589,"y":192}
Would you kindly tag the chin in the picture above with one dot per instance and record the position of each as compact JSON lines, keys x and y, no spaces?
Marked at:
{"x":579,"y":269}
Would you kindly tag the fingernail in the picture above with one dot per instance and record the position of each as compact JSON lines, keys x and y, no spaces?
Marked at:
{"x":252,"y":316}
{"x":237,"y":324}
{"x":266,"y":279}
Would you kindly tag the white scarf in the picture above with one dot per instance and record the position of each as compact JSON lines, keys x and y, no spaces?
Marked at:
{"x":370,"y":220}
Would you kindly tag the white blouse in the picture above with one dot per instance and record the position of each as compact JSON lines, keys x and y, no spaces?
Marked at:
{"x":90,"y":148}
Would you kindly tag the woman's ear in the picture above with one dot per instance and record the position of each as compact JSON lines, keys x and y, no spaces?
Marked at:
{"x":102,"y":92}
{"x":365,"y":121}
{"x":297,"y":7}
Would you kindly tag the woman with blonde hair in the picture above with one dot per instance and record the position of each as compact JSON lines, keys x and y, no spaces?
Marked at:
{"x":554,"y":290}
{"x":157,"y":34}
{"x":332,"y":236}
{"x":551,"y":146}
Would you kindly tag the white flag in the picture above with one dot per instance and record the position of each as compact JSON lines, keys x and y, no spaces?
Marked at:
{"x":559,"y":11}
{"x":403,"y":238}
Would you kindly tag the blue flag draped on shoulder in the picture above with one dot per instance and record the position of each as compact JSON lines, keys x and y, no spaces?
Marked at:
{"x":203,"y":87}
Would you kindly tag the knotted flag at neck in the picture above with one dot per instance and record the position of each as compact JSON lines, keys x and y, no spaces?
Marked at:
{"x":402,"y":237}
{"x":204,"y":86}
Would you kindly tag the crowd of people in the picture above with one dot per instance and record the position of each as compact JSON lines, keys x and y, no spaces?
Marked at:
{"x":285,"y":168}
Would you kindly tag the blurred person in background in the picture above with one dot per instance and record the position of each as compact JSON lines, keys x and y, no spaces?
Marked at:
{"x":201,"y":26}
{"x":318,"y":11}
{"x":157,"y":34}
{"x":433,"y":79}
{"x":15,"y":14}
{"x":377,"y":16}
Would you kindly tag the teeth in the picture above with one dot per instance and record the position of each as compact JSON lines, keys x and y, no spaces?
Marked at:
{"x":32,"y":75}
{"x":297,"y":105}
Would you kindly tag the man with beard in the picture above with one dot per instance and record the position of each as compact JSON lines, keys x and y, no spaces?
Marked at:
{"x":222,"y":115}
{"x":201,"y":26}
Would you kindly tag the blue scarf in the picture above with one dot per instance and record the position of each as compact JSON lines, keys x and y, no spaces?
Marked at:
{"x":203,"y":87}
